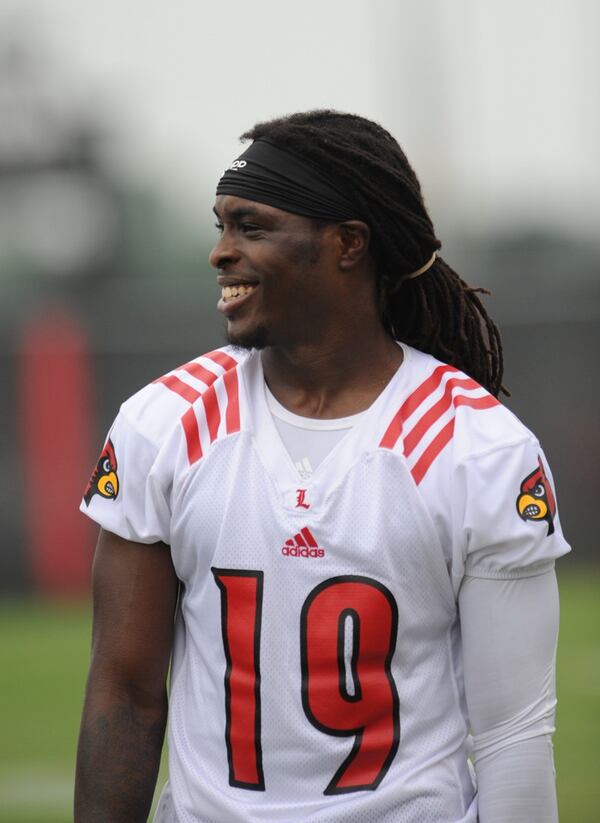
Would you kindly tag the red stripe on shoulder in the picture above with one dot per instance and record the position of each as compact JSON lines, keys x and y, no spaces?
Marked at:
{"x":192,"y":435}
{"x":393,"y":432}
{"x":210,"y":399}
{"x":221,"y":359}
{"x":413,"y":438}
{"x":426,"y":388}
{"x":199,"y":372}
{"x":211,"y":409}
{"x":176,"y":385}
{"x":232,"y":413}
{"x":442,"y":438}
{"x":488,"y":401}
{"x":412,"y":402}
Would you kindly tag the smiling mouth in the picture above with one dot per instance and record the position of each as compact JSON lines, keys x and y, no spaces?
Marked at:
{"x":231,"y":293}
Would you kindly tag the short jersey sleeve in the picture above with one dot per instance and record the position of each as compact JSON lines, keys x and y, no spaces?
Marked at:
{"x":127,"y":493}
{"x":506,"y":521}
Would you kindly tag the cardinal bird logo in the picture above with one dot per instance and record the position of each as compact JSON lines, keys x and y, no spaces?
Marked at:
{"x":536,"y":500}
{"x":104,"y":480}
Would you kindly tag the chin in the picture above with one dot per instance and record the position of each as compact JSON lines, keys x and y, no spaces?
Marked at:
{"x":255,"y":338}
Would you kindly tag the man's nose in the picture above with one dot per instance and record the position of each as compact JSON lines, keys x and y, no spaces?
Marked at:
{"x":223,"y":253}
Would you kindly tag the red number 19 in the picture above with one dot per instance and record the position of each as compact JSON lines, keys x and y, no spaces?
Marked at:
{"x":348,"y":628}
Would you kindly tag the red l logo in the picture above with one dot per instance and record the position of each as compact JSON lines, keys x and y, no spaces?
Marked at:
{"x":301,"y":499}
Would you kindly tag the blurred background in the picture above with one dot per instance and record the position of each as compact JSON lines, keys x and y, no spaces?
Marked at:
{"x":116,"y":121}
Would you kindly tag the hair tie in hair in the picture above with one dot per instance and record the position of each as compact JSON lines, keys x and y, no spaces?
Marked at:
{"x":423,"y":269}
{"x":267,"y":174}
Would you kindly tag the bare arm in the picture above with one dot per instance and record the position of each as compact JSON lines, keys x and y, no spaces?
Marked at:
{"x":125,"y":709}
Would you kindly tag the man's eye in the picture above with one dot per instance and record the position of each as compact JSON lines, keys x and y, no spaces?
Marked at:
{"x":219,"y":227}
{"x":249,"y":228}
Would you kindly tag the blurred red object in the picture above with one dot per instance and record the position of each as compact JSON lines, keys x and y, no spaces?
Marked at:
{"x":57,"y":433}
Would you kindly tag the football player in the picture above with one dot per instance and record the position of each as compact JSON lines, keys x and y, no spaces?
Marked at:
{"x":331,"y":529}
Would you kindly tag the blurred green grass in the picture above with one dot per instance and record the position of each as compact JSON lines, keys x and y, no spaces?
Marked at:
{"x":44,"y":655}
{"x":44,"y":651}
{"x":577,"y":740}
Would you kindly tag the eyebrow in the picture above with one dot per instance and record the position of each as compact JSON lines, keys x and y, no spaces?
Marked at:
{"x":240,"y":213}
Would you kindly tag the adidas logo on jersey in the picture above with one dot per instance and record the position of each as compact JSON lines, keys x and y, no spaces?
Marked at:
{"x":302,"y":544}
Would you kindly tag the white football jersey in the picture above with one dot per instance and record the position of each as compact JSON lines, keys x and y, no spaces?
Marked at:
{"x":317,"y":669}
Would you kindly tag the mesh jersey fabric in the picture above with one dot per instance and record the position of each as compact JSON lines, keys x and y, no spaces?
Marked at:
{"x":424,"y":489}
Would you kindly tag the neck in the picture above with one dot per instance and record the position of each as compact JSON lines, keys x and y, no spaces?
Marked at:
{"x":332,"y":379}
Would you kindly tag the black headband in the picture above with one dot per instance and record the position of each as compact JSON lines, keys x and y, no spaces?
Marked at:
{"x":266,"y":174}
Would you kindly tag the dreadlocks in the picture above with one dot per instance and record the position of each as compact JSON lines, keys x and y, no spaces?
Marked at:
{"x":436,"y":312}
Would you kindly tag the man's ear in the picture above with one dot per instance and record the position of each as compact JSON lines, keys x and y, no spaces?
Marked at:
{"x":353,"y":237}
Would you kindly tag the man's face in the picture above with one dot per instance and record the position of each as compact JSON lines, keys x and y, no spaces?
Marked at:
{"x":275,"y":274}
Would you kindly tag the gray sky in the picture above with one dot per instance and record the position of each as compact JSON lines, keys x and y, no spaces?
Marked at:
{"x":495,"y":102}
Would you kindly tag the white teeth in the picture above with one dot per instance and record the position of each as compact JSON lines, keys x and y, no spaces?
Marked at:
{"x":240,"y":290}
